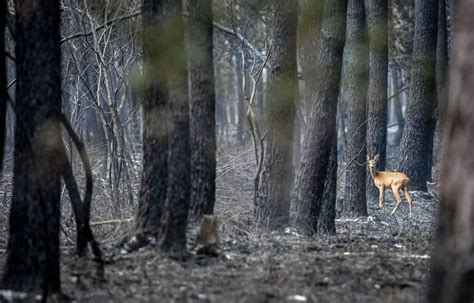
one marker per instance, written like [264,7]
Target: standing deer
[384,179]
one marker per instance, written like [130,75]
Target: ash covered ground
[380,258]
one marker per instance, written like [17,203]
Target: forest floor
[380,258]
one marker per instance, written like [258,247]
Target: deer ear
[376,158]
[368,157]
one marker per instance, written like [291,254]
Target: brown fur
[395,180]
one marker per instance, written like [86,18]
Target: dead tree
[33,244]
[154,179]
[171,48]
[276,177]
[452,273]
[203,99]
[3,81]
[377,24]
[416,144]
[321,129]
[357,80]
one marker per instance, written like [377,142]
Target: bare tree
[172,57]
[321,128]
[3,81]
[155,133]
[452,273]
[203,99]
[377,24]
[415,154]
[276,177]
[33,245]
[357,80]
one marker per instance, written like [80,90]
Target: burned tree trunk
[203,100]
[3,81]
[175,216]
[310,179]
[442,74]
[415,153]
[354,204]
[327,216]
[273,193]
[377,24]
[452,274]
[33,245]
[155,133]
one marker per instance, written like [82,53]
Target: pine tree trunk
[178,193]
[354,204]
[377,23]
[203,100]
[276,178]
[415,160]
[327,216]
[324,87]
[33,245]
[3,82]
[452,273]
[155,133]
[442,80]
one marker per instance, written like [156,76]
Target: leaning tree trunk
[452,274]
[355,204]
[172,50]
[377,24]
[33,246]
[324,87]
[273,192]
[203,102]
[415,147]
[3,81]
[441,85]
[155,137]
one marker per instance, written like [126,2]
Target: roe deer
[384,179]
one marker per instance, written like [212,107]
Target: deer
[384,179]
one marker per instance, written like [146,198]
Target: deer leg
[409,198]
[381,196]
[396,192]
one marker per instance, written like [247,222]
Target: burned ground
[380,258]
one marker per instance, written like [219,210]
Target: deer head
[372,161]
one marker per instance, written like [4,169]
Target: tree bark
[327,216]
[177,203]
[273,194]
[354,204]
[377,24]
[442,78]
[155,127]
[33,245]
[452,273]
[324,87]
[415,147]
[203,100]
[3,81]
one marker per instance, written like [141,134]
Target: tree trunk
[273,194]
[452,273]
[442,75]
[33,246]
[354,204]
[172,50]
[324,87]
[415,147]
[327,216]
[397,107]
[377,23]
[155,134]
[203,100]
[3,82]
